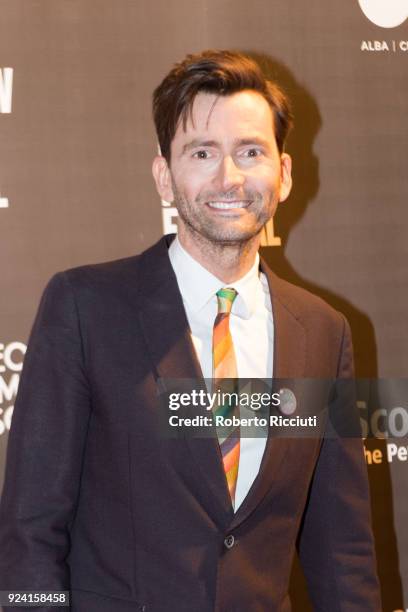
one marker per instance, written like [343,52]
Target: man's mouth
[229,205]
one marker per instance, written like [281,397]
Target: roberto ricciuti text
[235,421]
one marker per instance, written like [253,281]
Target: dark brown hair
[217,72]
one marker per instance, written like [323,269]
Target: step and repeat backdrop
[76,144]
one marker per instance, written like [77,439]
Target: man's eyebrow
[255,140]
[197,142]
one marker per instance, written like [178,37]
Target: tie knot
[226,297]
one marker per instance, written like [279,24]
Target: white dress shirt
[251,327]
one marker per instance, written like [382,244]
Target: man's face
[226,176]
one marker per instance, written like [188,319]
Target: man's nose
[229,175]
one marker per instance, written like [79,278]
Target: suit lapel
[289,359]
[167,335]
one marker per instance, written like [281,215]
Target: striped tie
[225,366]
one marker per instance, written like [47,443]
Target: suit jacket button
[229,541]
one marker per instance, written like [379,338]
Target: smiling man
[226,175]
[96,500]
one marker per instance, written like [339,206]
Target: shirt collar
[198,286]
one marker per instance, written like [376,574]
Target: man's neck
[227,261]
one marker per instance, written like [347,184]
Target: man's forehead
[244,108]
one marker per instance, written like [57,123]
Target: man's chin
[232,236]
[229,233]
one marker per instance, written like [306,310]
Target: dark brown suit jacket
[97,501]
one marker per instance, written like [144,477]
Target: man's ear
[162,178]
[286,177]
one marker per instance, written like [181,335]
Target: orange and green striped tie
[225,367]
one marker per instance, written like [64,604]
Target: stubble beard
[208,232]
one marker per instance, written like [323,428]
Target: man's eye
[253,152]
[201,154]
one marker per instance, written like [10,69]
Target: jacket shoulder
[105,277]
[107,271]
[120,273]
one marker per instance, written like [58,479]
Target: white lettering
[268,237]
[381,46]
[8,413]
[8,391]
[168,214]
[374,45]
[14,366]
[211,397]
[185,399]
[6,89]
[392,450]
[400,452]
[398,422]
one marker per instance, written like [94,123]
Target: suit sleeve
[336,543]
[45,449]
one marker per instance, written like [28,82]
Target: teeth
[227,205]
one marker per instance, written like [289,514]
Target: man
[97,499]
